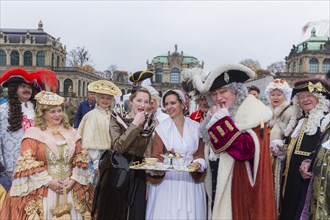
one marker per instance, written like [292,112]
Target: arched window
[41,58]
[67,86]
[3,58]
[288,67]
[58,61]
[159,75]
[300,65]
[313,65]
[294,67]
[14,58]
[27,58]
[53,60]
[175,75]
[326,65]
[84,89]
[79,87]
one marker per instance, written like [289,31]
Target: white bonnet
[281,85]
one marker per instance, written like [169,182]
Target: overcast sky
[128,33]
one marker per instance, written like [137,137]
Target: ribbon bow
[315,87]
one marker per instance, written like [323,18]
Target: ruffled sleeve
[80,172]
[31,171]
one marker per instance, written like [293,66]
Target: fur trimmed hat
[311,85]
[222,76]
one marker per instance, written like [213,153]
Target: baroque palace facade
[308,59]
[34,49]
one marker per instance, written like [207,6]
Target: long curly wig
[15,114]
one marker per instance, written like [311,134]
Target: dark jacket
[83,108]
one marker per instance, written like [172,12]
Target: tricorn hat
[224,75]
[311,85]
[140,76]
[104,87]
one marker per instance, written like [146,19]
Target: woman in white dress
[177,195]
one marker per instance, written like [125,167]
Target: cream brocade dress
[58,169]
[41,160]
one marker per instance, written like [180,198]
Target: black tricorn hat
[140,76]
[311,85]
[222,76]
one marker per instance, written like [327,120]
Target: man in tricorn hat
[240,184]
[310,118]
[17,114]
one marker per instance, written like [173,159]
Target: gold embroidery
[214,137]
[227,145]
[27,162]
[58,168]
[221,131]
[34,209]
[299,141]
[229,126]
[78,204]
[81,157]
[294,142]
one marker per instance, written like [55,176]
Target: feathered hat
[38,79]
[188,83]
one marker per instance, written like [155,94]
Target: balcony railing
[68,94]
[287,75]
[65,69]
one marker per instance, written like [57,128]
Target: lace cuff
[81,176]
[22,186]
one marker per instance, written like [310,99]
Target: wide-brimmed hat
[48,98]
[312,85]
[222,76]
[104,87]
[39,79]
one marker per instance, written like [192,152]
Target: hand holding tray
[162,167]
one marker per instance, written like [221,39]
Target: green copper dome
[164,59]
[314,43]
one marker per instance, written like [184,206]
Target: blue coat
[83,108]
